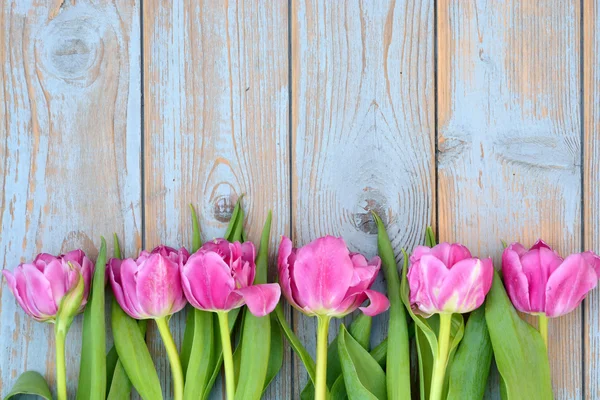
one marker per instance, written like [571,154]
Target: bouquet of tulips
[457,309]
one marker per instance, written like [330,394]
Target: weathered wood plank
[591,128]
[362,128]
[510,139]
[216,127]
[69,151]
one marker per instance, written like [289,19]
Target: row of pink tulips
[322,279]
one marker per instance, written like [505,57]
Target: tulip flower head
[324,278]
[149,286]
[40,285]
[540,281]
[447,279]
[220,275]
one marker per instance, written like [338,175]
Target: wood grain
[362,128]
[69,151]
[510,140]
[216,127]
[591,199]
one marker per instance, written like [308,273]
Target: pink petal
[378,303]
[592,259]
[207,281]
[540,244]
[569,284]
[286,258]
[159,286]
[515,280]
[425,279]
[538,265]
[39,291]
[322,272]
[12,285]
[261,299]
[219,246]
[450,254]
[56,273]
[466,285]
[75,256]
[131,304]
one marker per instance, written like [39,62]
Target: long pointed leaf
[92,371]
[120,387]
[30,382]
[276,354]
[199,370]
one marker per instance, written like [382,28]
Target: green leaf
[255,345]
[134,355]
[426,337]
[199,369]
[217,359]
[116,247]
[112,358]
[379,353]
[276,354]
[519,349]
[465,381]
[92,370]
[297,346]
[30,382]
[504,244]
[120,385]
[196,239]
[429,237]
[360,329]
[363,376]
[235,228]
[398,358]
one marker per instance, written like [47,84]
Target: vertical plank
[362,128]
[510,139]
[70,137]
[216,127]
[591,128]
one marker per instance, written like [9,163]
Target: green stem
[322,342]
[439,365]
[176,371]
[60,336]
[543,328]
[227,355]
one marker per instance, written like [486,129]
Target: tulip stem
[173,355]
[439,365]
[227,355]
[322,342]
[543,328]
[60,336]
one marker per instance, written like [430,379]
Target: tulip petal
[12,285]
[261,299]
[378,303]
[286,258]
[39,291]
[466,285]
[425,278]
[515,279]
[569,284]
[322,272]
[592,259]
[207,281]
[57,276]
[158,286]
[448,253]
[131,304]
[538,265]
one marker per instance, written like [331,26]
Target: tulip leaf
[134,355]
[429,237]
[199,371]
[30,382]
[465,381]
[120,385]
[235,228]
[276,354]
[92,371]
[217,352]
[254,359]
[297,346]
[196,238]
[426,337]
[363,376]
[360,330]
[519,349]
[398,358]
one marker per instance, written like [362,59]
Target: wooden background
[481,118]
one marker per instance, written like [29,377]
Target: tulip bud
[70,303]
[539,281]
[220,276]
[149,286]
[447,279]
[40,286]
[323,278]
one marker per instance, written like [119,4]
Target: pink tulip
[149,286]
[40,285]
[539,281]
[219,277]
[324,278]
[447,279]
